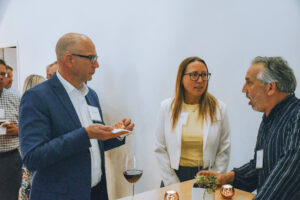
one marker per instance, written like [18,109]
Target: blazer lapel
[206,125]
[90,101]
[64,98]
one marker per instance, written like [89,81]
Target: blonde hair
[208,103]
[31,81]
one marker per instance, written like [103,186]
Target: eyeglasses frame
[4,74]
[93,59]
[200,74]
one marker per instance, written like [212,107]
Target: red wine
[133,176]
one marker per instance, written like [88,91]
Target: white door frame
[14,44]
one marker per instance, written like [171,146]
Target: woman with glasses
[192,131]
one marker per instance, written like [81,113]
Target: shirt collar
[279,107]
[70,88]
[2,91]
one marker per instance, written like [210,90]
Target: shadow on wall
[3,7]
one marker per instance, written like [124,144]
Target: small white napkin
[2,130]
[117,130]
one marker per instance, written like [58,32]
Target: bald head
[70,42]
[77,58]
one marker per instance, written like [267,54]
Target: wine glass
[199,165]
[210,165]
[132,173]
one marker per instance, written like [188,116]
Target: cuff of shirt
[121,138]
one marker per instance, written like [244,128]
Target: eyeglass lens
[195,76]
[4,74]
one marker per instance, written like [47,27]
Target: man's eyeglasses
[194,76]
[92,58]
[4,74]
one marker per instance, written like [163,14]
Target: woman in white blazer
[192,131]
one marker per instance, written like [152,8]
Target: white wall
[141,43]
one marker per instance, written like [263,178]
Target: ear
[68,59]
[271,88]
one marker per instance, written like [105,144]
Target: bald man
[62,133]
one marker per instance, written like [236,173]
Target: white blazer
[216,142]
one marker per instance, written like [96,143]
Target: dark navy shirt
[279,138]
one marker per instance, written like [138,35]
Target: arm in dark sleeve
[245,177]
[39,149]
[284,180]
[113,143]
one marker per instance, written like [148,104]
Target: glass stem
[132,191]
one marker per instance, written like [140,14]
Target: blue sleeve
[38,146]
[113,143]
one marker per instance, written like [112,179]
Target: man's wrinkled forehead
[253,71]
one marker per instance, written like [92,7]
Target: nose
[244,88]
[200,80]
[96,64]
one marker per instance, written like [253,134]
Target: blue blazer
[55,146]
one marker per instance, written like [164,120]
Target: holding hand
[11,128]
[124,124]
[222,178]
[100,132]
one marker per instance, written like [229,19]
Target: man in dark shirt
[275,169]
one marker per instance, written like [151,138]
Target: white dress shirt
[78,100]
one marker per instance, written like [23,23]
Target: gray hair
[277,70]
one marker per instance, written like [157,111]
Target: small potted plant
[204,188]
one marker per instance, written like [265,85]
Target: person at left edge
[10,158]
[62,135]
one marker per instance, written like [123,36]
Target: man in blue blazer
[62,134]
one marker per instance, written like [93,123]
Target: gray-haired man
[275,169]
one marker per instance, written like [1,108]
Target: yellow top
[192,138]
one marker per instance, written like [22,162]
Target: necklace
[191,107]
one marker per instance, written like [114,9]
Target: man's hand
[11,128]
[221,178]
[100,132]
[124,124]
